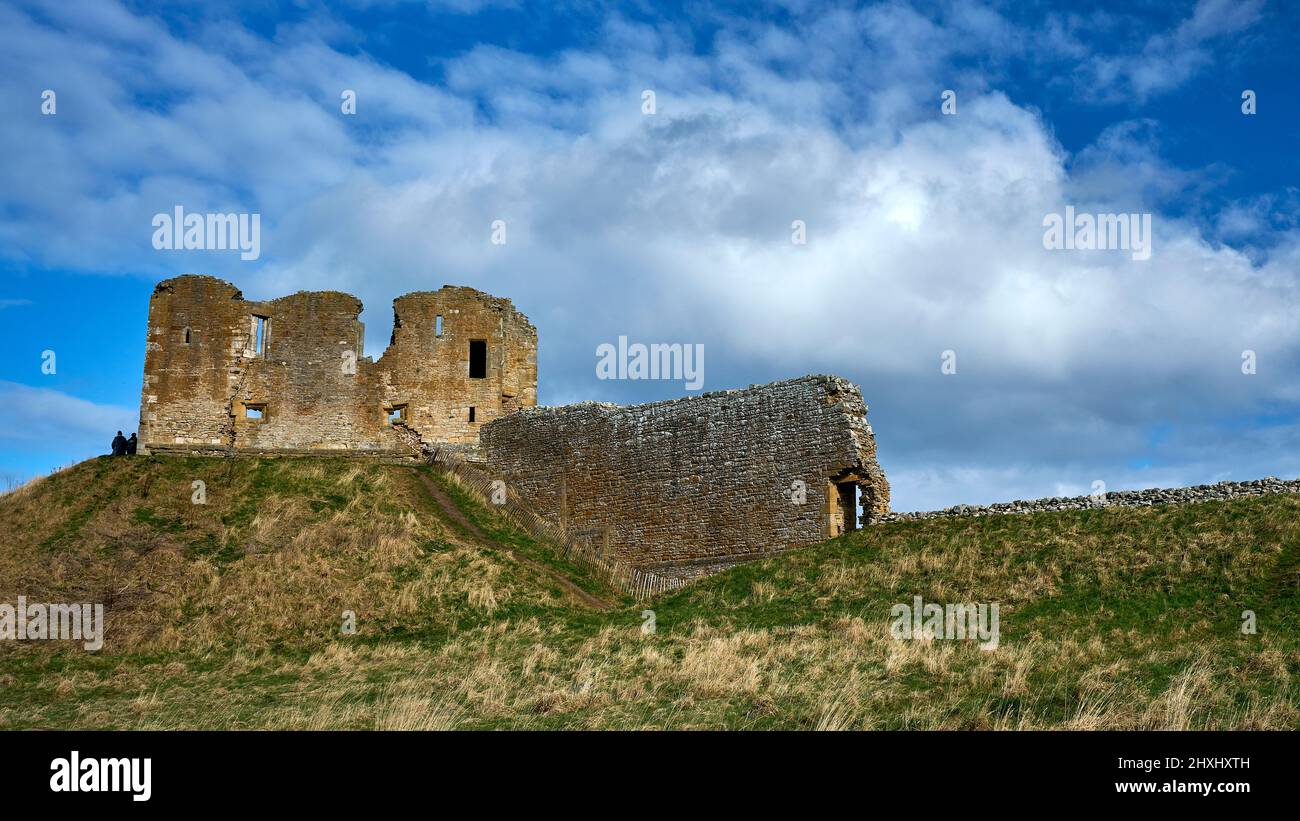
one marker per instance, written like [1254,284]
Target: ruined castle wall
[214,383]
[313,388]
[693,485]
[427,364]
[194,323]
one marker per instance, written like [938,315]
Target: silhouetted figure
[130,445]
[119,444]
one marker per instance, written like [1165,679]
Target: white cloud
[924,232]
[42,415]
[1168,59]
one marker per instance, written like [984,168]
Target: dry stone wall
[228,375]
[1116,498]
[691,486]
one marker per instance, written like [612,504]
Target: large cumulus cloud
[923,231]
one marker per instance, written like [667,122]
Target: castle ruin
[225,375]
[680,488]
[688,487]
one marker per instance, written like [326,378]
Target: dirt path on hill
[454,513]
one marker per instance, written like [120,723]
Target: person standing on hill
[130,445]
[119,444]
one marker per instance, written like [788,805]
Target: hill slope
[228,614]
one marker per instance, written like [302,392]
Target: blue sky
[924,230]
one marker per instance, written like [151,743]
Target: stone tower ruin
[225,375]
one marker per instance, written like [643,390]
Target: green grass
[506,533]
[1120,618]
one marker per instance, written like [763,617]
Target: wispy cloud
[1168,59]
[924,232]
[44,415]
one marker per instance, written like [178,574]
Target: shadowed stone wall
[210,385]
[691,486]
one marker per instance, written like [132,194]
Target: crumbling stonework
[690,486]
[675,489]
[1115,498]
[226,375]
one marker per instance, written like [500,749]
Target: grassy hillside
[228,614]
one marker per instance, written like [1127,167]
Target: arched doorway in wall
[841,505]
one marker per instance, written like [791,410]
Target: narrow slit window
[478,359]
[187,336]
[471,413]
[261,330]
[437,326]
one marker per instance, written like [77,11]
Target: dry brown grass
[814,678]
[382,553]
[1139,635]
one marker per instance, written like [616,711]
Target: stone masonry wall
[1149,497]
[206,381]
[690,486]
[430,373]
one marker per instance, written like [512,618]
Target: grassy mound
[228,615]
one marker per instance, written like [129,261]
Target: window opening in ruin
[261,325]
[478,359]
[437,327]
[397,414]
[471,413]
[187,336]
[255,412]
